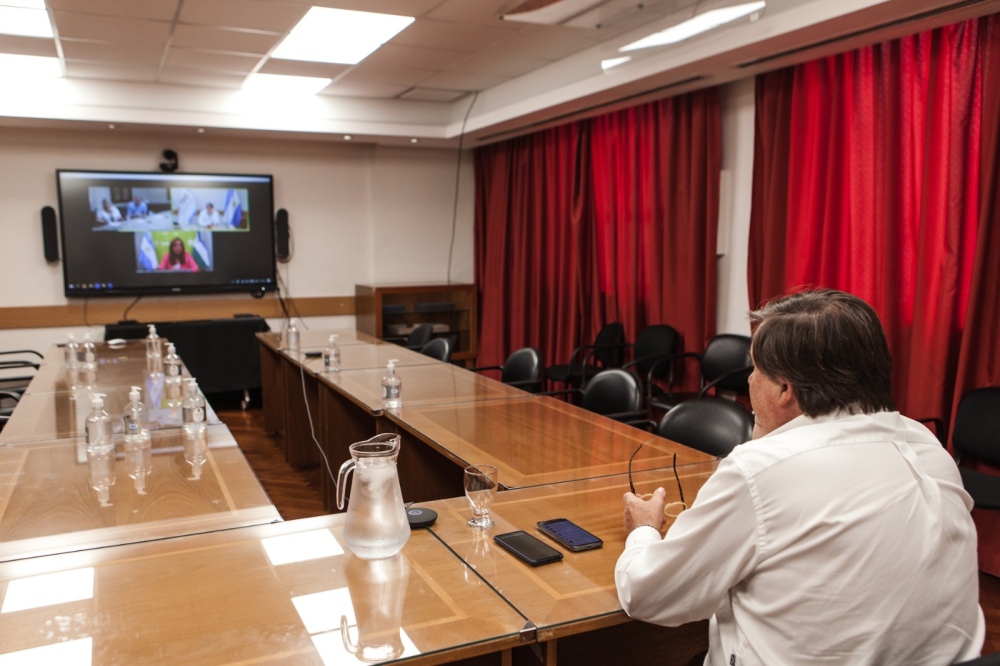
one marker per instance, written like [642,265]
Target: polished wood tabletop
[536,441]
[358,357]
[282,593]
[47,504]
[577,593]
[428,384]
[63,414]
[55,354]
[317,339]
[108,372]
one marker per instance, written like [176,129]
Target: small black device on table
[528,548]
[569,534]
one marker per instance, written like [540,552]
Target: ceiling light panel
[18,19]
[695,26]
[339,35]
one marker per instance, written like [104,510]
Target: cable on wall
[458,176]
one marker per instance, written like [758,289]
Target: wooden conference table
[289,593]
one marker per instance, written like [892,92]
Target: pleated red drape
[610,219]
[868,181]
[979,355]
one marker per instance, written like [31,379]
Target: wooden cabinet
[392,310]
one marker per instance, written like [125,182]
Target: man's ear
[786,397]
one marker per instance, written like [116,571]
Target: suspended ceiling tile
[162,10]
[245,14]
[361,88]
[116,72]
[33,46]
[433,94]
[212,60]
[404,76]
[220,39]
[103,52]
[111,28]
[451,36]
[391,55]
[202,78]
[462,81]
[302,68]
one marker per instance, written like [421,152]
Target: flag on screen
[234,211]
[202,255]
[147,254]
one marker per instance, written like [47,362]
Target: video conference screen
[127,233]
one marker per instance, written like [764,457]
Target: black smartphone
[528,548]
[313,354]
[569,534]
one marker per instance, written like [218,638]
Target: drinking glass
[480,489]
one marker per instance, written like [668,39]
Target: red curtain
[979,355]
[610,219]
[868,182]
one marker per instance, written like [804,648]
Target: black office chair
[8,401]
[17,370]
[723,366]
[607,351]
[985,660]
[415,339]
[712,425]
[977,424]
[614,393]
[439,348]
[653,343]
[522,369]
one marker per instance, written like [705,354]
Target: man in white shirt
[840,534]
[109,214]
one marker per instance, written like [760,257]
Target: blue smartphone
[569,534]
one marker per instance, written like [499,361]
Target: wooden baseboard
[98,312]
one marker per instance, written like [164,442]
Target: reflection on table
[50,505]
[286,592]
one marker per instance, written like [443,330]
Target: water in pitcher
[375,526]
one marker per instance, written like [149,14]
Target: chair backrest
[613,391]
[523,368]
[726,353]
[439,348]
[419,336]
[609,345]
[712,425]
[655,341]
[977,423]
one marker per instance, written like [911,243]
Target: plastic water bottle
[331,355]
[292,336]
[392,387]
[88,353]
[138,445]
[100,449]
[154,352]
[172,376]
[72,352]
[195,438]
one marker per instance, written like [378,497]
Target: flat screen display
[129,233]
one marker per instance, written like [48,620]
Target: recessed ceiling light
[27,18]
[694,26]
[28,67]
[339,35]
[279,84]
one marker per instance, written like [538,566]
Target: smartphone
[528,548]
[313,354]
[569,534]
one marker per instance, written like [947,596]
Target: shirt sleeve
[686,575]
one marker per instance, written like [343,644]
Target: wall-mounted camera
[171,161]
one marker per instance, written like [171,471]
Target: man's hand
[644,512]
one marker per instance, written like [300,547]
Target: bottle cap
[331,340]
[97,400]
[133,395]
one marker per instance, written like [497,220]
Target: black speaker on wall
[50,237]
[281,234]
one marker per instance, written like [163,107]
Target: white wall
[357,212]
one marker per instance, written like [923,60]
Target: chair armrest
[22,351]
[521,383]
[596,348]
[721,378]
[17,364]
[486,367]
[638,419]
[561,392]
[669,358]
[10,394]
[938,429]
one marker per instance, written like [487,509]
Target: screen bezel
[261,243]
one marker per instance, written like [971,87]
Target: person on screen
[137,208]
[108,214]
[840,534]
[209,217]
[178,258]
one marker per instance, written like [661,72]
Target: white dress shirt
[845,539]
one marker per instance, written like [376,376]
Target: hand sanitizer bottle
[154,352]
[172,376]
[331,355]
[89,353]
[195,440]
[100,449]
[392,387]
[138,445]
[292,335]
[72,352]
